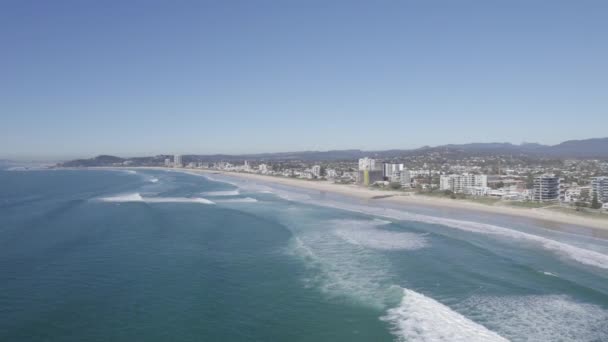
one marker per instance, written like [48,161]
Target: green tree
[595,203]
[395,185]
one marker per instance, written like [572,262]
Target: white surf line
[222,193]
[136,197]
[581,255]
[237,200]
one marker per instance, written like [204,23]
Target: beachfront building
[546,188]
[167,162]
[331,173]
[405,179]
[392,172]
[177,160]
[599,187]
[367,164]
[464,183]
[369,177]
[316,171]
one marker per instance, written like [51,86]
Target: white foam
[123,198]
[584,256]
[153,180]
[238,200]
[581,255]
[368,233]
[132,172]
[177,200]
[136,197]
[549,274]
[540,317]
[420,318]
[222,193]
[340,270]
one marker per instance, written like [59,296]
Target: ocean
[153,255]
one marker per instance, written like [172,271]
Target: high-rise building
[405,179]
[316,171]
[392,172]
[167,162]
[546,188]
[369,177]
[599,187]
[464,183]
[177,160]
[367,164]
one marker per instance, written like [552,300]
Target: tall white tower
[177,160]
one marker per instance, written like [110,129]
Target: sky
[82,78]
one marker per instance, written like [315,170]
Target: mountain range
[596,148]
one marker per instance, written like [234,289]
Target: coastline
[549,218]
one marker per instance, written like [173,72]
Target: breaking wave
[420,318]
[222,193]
[352,267]
[136,197]
[237,200]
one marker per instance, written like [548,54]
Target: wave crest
[421,318]
[136,197]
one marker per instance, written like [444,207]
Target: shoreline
[598,225]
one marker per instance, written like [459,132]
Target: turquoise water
[158,256]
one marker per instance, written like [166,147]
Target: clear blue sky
[80,78]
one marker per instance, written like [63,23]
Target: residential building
[464,183]
[367,164]
[369,177]
[546,188]
[167,162]
[392,171]
[405,179]
[599,187]
[177,160]
[331,173]
[316,171]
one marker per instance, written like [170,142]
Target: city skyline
[120,78]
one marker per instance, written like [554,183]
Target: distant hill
[103,160]
[588,148]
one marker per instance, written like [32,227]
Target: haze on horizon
[149,77]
